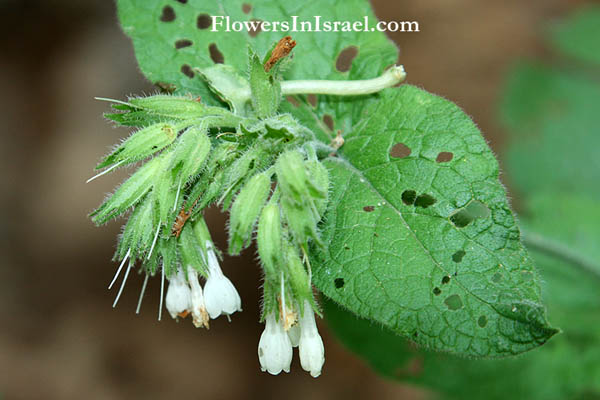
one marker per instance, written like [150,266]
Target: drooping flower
[274,347]
[312,351]
[220,296]
[198,309]
[179,295]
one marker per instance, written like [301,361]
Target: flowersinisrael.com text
[222,23]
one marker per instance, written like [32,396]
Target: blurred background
[59,336]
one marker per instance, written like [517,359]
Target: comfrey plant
[386,199]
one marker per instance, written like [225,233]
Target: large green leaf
[396,252]
[565,368]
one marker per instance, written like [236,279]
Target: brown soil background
[59,336]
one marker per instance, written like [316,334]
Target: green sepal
[190,250]
[266,90]
[129,193]
[298,278]
[245,211]
[269,241]
[137,230]
[301,220]
[142,144]
[167,248]
[318,184]
[164,194]
[292,176]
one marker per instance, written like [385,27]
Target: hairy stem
[543,244]
[389,78]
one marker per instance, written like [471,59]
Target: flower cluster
[262,167]
[185,295]
[276,343]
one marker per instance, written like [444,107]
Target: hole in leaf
[180,44]
[400,150]
[444,156]
[482,321]
[375,234]
[328,120]
[445,280]
[255,29]
[187,70]
[182,1]
[346,248]
[368,208]
[204,21]
[424,201]
[168,14]
[339,283]
[215,54]
[345,58]
[293,100]
[497,277]
[408,197]
[475,209]
[163,87]
[246,8]
[437,291]
[312,99]
[458,256]
[453,302]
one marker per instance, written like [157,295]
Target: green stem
[389,78]
[556,249]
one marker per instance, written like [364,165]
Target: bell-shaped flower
[274,347]
[179,295]
[198,309]
[220,296]
[312,352]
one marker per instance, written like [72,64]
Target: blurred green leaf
[579,35]
[552,117]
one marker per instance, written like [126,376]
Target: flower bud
[142,144]
[269,242]
[245,211]
[171,106]
[191,152]
[292,177]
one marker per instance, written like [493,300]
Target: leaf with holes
[173,40]
[566,368]
[397,252]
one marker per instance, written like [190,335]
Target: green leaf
[564,368]
[394,254]
[578,35]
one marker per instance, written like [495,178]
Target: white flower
[274,347]
[199,314]
[179,296]
[312,352]
[220,296]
